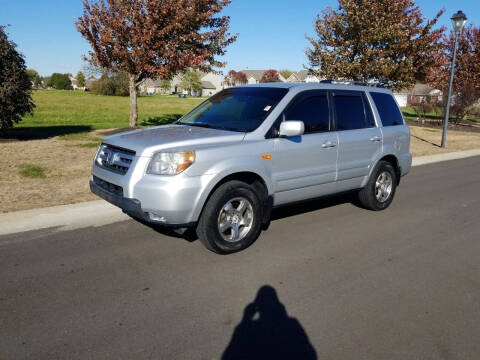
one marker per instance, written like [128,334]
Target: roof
[302,75]
[256,74]
[418,89]
[207,85]
[89,82]
[300,86]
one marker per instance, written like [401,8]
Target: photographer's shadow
[267,332]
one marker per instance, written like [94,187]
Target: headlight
[170,163]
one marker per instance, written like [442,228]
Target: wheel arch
[393,160]
[248,177]
[390,158]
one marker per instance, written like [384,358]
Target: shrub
[116,84]
[60,82]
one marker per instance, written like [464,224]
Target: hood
[147,141]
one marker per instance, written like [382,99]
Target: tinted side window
[313,111]
[387,109]
[350,112]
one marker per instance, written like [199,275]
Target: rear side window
[387,109]
[350,112]
[313,111]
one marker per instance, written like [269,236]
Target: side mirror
[292,128]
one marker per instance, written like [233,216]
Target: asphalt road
[327,280]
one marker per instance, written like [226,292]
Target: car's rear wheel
[379,192]
[232,218]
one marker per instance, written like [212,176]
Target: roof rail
[350,82]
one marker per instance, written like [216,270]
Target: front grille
[107,186]
[114,158]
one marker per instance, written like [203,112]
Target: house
[419,93]
[211,84]
[89,83]
[74,83]
[303,76]
[255,76]
[208,89]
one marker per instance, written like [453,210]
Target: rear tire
[232,218]
[379,192]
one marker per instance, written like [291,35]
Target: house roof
[89,82]
[418,89]
[207,85]
[256,74]
[302,75]
[293,77]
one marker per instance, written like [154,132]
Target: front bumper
[132,207]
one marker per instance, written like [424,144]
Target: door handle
[376,138]
[328,144]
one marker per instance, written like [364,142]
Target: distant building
[255,76]
[211,82]
[303,76]
[88,83]
[418,94]
[75,84]
[150,86]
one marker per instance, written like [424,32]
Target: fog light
[155,217]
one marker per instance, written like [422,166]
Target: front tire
[379,192]
[232,218]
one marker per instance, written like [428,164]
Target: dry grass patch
[426,141]
[66,172]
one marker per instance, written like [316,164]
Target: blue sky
[272,32]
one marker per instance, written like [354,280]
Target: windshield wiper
[205,125]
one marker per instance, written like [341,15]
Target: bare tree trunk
[133,102]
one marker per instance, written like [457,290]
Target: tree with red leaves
[270,76]
[386,41]
[466,81]
[235,78]
[154,38]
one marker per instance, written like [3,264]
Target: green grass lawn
[410,114]
[78,111]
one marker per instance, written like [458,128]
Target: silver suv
[223,166]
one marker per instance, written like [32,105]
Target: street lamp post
[458,21]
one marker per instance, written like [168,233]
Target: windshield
[235,109]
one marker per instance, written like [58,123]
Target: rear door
[360,140]
[302,162]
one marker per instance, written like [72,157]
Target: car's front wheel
[232,218]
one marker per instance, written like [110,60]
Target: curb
[62,217]
[431,159]
[99,212]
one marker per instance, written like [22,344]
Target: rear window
[387,109]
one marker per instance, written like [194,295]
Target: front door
[302,164]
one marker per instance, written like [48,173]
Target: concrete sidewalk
[98,213]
